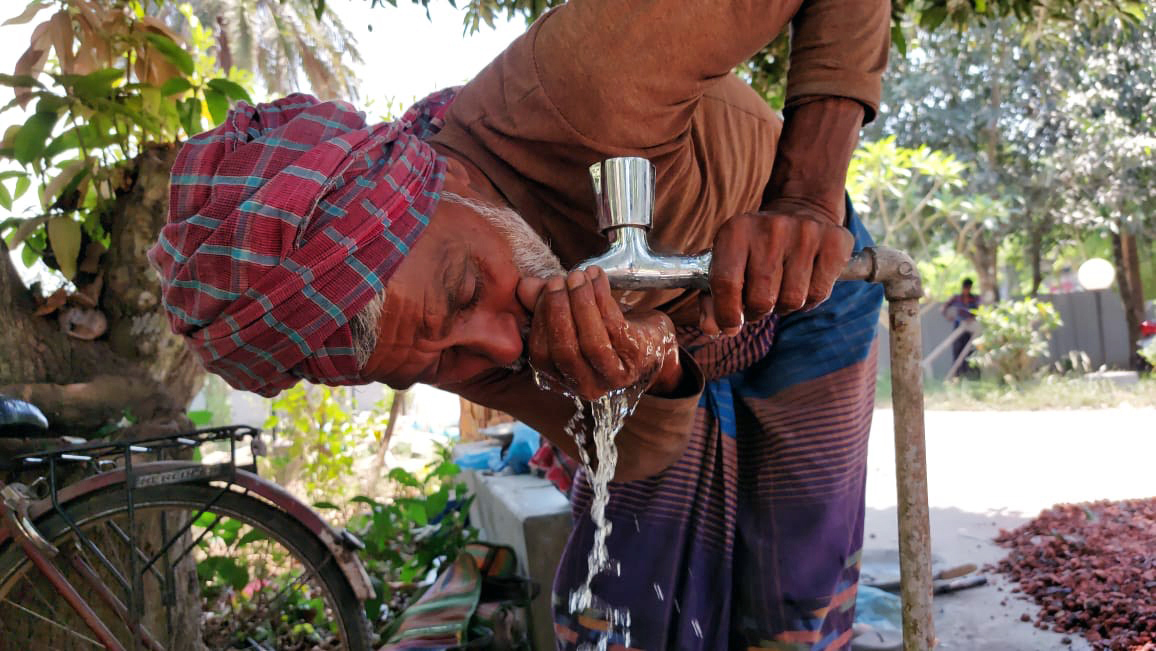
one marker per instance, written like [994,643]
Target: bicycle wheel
[242,575]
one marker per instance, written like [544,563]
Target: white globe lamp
[1096,273]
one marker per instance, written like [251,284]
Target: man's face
[458,305]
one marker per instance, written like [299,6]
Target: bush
[1015,335]
[1148,352]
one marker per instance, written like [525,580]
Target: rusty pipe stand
[903,288]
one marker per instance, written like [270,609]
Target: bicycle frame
[18,513]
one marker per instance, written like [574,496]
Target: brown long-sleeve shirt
[596,79]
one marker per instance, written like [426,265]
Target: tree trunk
[983,251]
[139,368]
[1127,258]
[1035,255]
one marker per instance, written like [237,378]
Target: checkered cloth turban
[283,223]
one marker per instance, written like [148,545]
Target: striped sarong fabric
[752,540]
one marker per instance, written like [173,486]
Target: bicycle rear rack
[103,457]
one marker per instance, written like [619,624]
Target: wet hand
[581,341]
[777,260]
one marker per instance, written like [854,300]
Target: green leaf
[437,503]
[899,39]
[253,536]
[22,185]
[20,81]
[5,197]
[64,235]
[28,255]
[230,88]
[173,52]
[446,469]
[403,477]
[175,85]
[190,112]
[201,417]
[218,105]
[362,499]
[416,513]
[326,505]
[30,140]
[97,84]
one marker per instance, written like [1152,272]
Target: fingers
[581,340]
[829,265]
[591,329]
[797,269]
[764,276]
[727,272]
[767,263]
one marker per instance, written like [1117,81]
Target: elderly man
[304,243]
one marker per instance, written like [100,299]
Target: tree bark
[158,376]
[139,369]
[1127,258]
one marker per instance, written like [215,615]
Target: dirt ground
[989,470]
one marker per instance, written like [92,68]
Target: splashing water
[608,414]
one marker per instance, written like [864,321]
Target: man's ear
[457,178]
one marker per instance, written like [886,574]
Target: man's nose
[498,338]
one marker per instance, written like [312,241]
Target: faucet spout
[624,204]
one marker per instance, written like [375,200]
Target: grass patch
[1048,392]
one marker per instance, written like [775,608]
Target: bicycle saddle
[19,419]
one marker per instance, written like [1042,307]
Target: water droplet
[697,629]
[658,591]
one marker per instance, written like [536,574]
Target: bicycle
[81,560]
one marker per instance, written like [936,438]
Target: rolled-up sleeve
[839,49]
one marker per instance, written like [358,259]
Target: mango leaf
[231,89]
[5,197]
[30,140]
[29,13]
[175,85]
[28,255]
[326,505]
[218,105]
[68,179]
[19,81]
[173,52]
[97,84]
[22,185]
[64,235]
[68,140]
[190,111]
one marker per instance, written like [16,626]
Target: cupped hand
[778,261]
[581,341]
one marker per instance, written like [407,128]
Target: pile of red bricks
[1092,569]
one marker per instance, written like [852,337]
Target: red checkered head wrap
[284,222]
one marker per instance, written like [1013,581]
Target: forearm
[810,170]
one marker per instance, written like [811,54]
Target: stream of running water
[608,414]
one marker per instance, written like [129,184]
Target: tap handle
[623,192]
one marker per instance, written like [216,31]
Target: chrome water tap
[624,204]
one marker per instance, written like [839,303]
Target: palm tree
[278,40]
